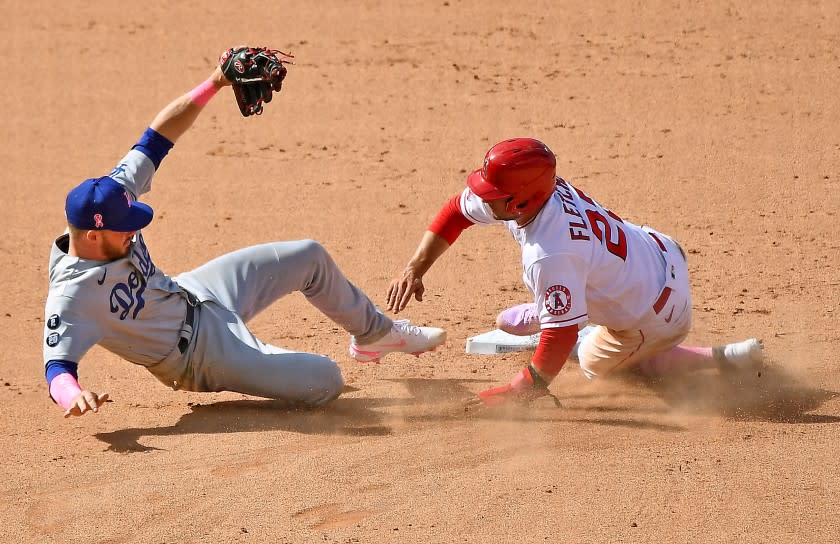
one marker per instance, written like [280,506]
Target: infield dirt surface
[715,122]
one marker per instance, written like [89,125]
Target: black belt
[187,331]
[190,318]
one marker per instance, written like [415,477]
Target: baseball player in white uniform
[190,331]
[583,264]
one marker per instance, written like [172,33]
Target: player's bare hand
[473,403]
[401,290]
[219,78]
[86,401]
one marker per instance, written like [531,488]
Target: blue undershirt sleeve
[56,367]
[153,145]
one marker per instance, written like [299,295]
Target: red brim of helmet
[483,189]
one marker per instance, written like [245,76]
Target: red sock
[679,359]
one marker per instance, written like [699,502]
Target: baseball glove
[255,72]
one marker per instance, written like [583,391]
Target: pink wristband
[202,94]
[64,389]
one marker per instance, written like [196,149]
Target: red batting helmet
[521,169]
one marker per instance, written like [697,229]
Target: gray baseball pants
[223,355]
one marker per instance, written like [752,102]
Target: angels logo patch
[558,299]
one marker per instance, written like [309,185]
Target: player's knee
[328,383]
[312,256]
[334,381]
[591,365]
[520,320]
[311,249]
[502,324]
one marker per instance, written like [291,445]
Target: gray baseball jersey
[127,306]
[190,331]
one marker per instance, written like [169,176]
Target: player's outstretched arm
[86,401]
[401,290]
[442,233]
[178,116]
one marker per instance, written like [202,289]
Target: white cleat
[743,356]
[403,337]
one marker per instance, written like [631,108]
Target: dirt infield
[716,122]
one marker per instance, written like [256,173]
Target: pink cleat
[521,320]
[403,337]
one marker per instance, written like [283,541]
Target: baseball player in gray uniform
[190,331]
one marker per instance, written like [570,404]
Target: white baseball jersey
[582,262]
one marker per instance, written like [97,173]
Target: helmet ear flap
[533,202]
[518,207]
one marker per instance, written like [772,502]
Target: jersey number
[611,235]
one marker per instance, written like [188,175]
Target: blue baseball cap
[104,204]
